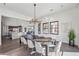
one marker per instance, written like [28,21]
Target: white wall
[67,19]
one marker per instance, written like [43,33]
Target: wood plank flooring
[12,47]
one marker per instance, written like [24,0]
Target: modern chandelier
[34,20]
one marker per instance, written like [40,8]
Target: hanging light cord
[34,11]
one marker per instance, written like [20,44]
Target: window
[54,27]
[46,27]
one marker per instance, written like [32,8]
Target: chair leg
[62,53]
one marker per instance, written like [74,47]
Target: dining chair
[57,51]
[30,46]
[23,40]
[39,48]
[52,43]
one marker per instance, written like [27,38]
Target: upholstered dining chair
[39,48]
[30,46]
[52,43]
[57,51]
[23,40]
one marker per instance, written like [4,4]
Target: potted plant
[71,37]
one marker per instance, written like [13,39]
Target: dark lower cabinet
[71,43]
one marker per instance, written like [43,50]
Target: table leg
[20,42]
[46,50]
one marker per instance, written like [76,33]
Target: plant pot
[71,43]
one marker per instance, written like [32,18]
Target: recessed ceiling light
[51,9]
[62,6]
[4,4]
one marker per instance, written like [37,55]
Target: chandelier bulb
[34,4]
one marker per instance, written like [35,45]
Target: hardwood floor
[13,48]
[66,48]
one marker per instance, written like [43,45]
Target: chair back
[30,43]
[57,48]
[23,40]
[38,47]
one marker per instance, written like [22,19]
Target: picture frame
[46,28]
[54,27]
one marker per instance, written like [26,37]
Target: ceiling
[42,9]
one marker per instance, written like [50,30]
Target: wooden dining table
[44,43]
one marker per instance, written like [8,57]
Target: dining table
[44,42]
